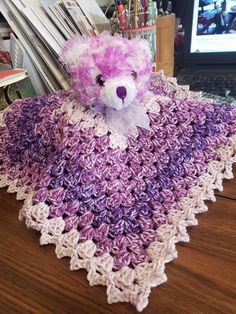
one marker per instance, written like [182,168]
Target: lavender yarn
[116,198]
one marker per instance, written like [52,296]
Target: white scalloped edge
[130,285]
[170,85]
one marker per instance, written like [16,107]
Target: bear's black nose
[121,92]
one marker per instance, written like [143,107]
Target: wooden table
[201,280]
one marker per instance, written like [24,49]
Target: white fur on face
[109,96]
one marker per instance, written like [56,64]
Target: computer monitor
[211,32]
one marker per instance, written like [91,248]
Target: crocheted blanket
[116,205]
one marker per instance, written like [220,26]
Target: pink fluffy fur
[115,59]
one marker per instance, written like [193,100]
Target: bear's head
[108,70]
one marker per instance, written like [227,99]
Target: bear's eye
[134,74]
[99,80]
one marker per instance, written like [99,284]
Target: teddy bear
[114,169]
[114,81]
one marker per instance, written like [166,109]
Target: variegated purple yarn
[116,198]
[115,204]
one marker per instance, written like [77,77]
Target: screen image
[214,26]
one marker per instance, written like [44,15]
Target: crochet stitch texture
[117,206]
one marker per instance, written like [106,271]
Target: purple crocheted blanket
[116,205]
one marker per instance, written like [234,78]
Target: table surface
[201,280]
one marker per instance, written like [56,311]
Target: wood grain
[201,280]
[165,32]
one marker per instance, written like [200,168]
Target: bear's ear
[142,47]
[72,50]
